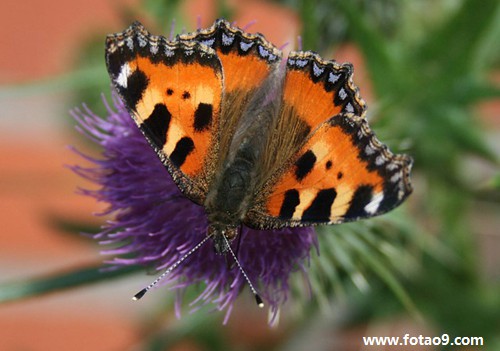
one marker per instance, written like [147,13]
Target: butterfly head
[217,232]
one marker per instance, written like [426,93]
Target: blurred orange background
[39,40]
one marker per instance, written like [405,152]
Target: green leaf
[386,274]
[475,91]
[17,290]
[467,138]
[495,182]
[461,40]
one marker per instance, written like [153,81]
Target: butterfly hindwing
[341,173]
[173,90]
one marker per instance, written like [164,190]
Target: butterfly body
[228,200]
[250,139]
[233,192]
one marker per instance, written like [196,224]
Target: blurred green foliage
[429,63]
[428,83]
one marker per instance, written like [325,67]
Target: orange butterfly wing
[173,90]
[317,90]
[342,173]
[338,171]
[247,59]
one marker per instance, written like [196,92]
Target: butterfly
[255,139]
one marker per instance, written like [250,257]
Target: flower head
[155,225]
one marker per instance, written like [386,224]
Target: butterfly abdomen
[228,200]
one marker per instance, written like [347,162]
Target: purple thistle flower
[155,225]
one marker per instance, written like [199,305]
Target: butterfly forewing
[173,90]
[247,59]
[317,90]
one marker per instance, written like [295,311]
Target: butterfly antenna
[141,293]
[258,299]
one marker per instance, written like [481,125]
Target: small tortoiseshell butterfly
[254,139]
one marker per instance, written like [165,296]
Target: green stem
[18,290]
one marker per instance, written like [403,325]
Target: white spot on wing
[369,150]
[392,166]
[342,93]
[396,177]
[245,46]
[372,207]
[379,160]
[154,48]
[130,43]
[208,42]
[169,52]
[142,41]
[349,108]
[122,78]
[317,71]
[301,63]
[332,78]
[263,52]
[227,39]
